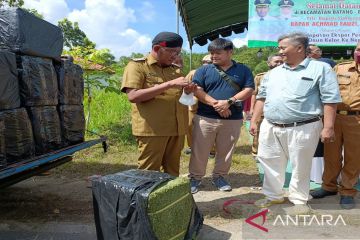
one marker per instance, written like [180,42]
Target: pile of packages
[41,93]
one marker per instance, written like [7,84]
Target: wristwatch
[230,101]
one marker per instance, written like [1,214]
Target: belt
[348,112]
[295,124]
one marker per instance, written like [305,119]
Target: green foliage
[35,12]
[11,3]
[98,67]
[261,67]
[110,116]
[73,35]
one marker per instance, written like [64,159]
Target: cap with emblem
[168,39]
[286,3]
[262,2]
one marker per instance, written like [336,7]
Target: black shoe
[347,202]
[322,193]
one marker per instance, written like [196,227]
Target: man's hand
[190,88]
[179,82]
[221,105]
[253,127]
[327,135]
[225,113]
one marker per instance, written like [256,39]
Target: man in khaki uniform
[153,86]
[347,136]
[272,62]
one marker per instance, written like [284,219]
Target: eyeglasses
[172,52]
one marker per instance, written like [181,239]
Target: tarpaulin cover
[72,122]
[23,32]
[38,82]
[9,84]
[19,143]
[71,82]
[121,202]
[2,145]
[46,128]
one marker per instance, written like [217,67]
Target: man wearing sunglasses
[154,85]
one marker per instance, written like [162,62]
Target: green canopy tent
[209,19]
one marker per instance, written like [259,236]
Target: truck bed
[27,168]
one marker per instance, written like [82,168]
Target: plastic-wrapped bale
[72,122]
[38,82]
[2,145]
[140,204]
[170,208]
[19,143]
[23,32]
[9,85]
[46,128]
[71,82]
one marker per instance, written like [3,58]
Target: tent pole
[177,16]
[190,58]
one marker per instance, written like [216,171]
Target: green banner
[326,22]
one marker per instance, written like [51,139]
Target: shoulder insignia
[260,74]
[347,62]
[138,59]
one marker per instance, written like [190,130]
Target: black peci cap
[262,2]
[168,39]
[286,3]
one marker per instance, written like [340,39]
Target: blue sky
[123,26]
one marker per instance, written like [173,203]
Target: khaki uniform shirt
[162,115]
[257,81]
[349,85]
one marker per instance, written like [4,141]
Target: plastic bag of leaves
[38,82]
[19,142]
[46,128]
[71,82]
[23,32]
[72,120]
[140,204]
[2,145]
[9,84]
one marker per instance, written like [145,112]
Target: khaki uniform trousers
[347,134]
[160,153]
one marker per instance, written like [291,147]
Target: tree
[11,3]
[35,12]
[73,35]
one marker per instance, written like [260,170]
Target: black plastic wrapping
[46,128]
[72,122]
[71,82]
[120,205]
[19,143]
[9,85]
[23,32]
[38,82]
[2,145]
